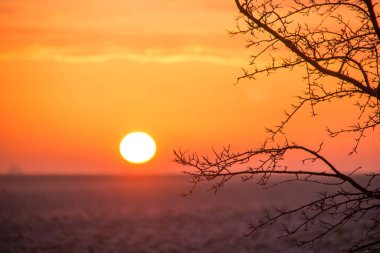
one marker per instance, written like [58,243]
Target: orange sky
[76,76]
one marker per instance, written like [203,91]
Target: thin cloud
[159,56]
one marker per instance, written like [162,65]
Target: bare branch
[299,34]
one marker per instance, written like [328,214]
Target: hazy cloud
[148,56]
[143,31]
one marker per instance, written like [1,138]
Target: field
[141,214]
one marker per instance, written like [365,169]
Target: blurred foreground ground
[140,214]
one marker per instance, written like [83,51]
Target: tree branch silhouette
[344,45]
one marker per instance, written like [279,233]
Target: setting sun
[137,147]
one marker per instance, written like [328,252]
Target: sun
[137,147]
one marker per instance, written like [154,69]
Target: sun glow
[137,147]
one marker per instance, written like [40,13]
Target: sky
[76,77]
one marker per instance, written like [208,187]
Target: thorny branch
[337,39]
[352,200]
[348,50]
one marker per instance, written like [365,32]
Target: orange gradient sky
[76,76]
